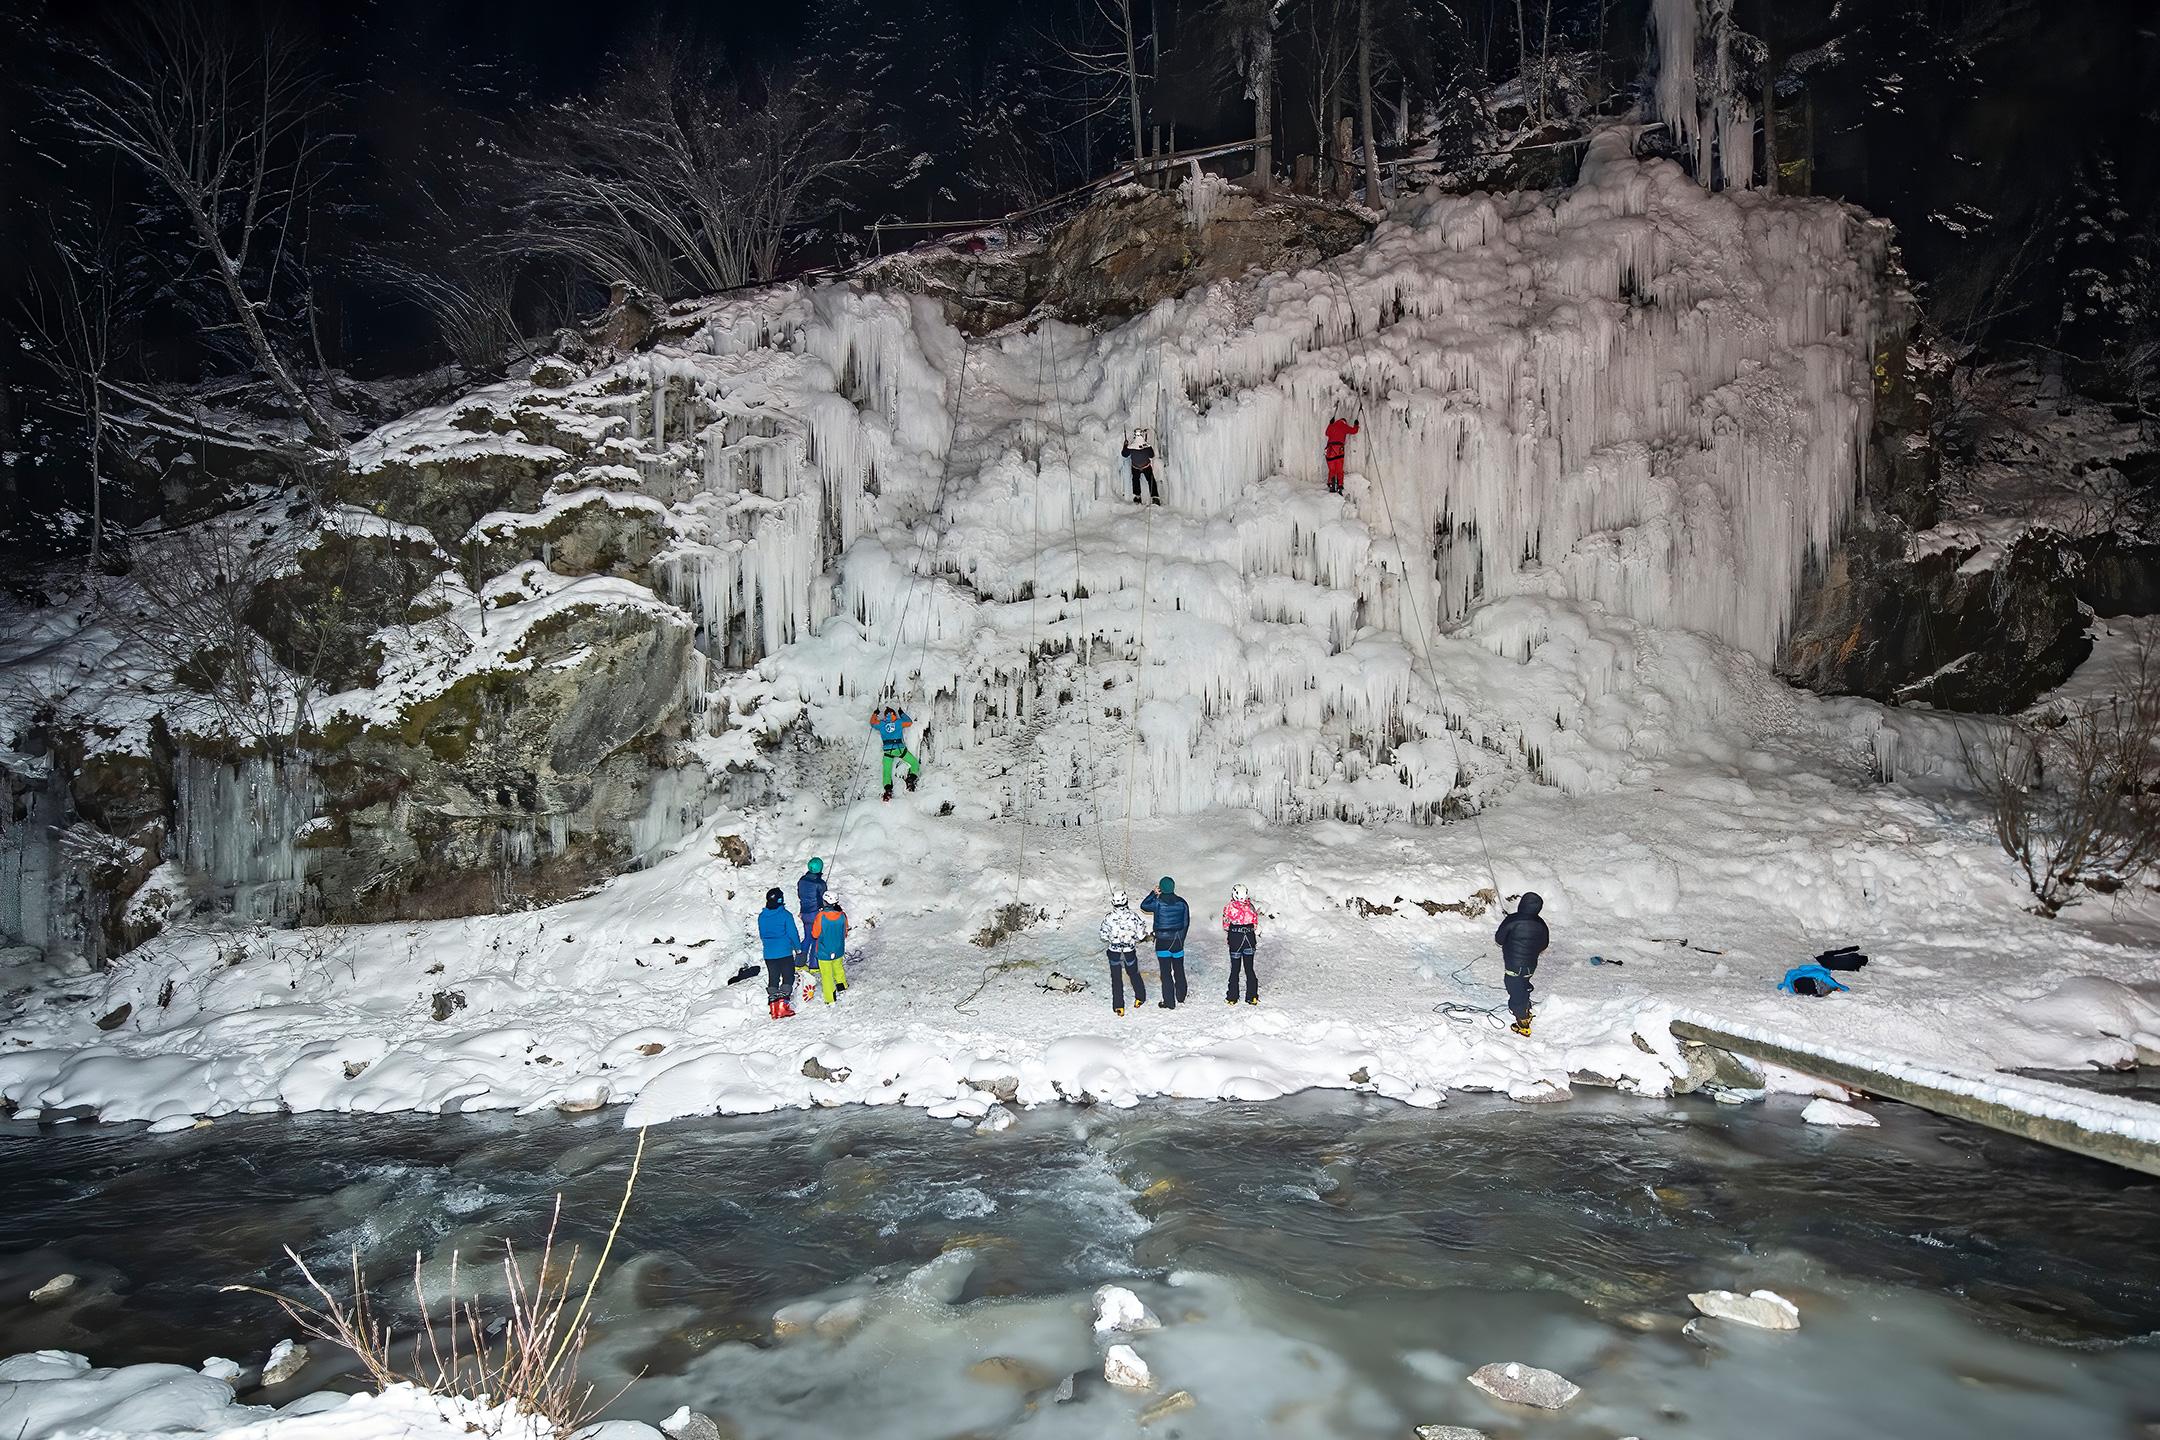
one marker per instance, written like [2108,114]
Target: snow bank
[50,1393]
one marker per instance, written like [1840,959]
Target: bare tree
[1250,28]
[678,176]
[1329,43]
[2072,795]
[1365,103]
[229,128]
[189,606]
[72,316]
[1104,56]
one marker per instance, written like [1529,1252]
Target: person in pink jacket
[1242,922]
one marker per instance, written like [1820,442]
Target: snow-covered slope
[1601,433]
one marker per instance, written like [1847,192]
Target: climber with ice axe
[1139,452]
[1339,431]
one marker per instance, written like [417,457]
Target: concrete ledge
[2097,1126]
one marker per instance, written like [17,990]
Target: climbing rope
[937,548]
[1086,641]
[1417,618]
[1147,556]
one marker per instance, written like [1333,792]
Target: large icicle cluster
[1634,396]
[1716,121]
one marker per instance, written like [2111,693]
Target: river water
[1329,1266]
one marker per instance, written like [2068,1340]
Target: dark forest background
[437,184]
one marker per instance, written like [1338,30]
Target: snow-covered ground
[52,1392]
[1624,415]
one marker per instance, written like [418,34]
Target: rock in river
[1525,1385]
[1764,1309]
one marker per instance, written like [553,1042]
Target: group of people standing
[818,943]
[1123,930]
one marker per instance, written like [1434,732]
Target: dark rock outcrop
[1972,611]
[1126,251]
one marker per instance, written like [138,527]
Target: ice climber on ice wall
[1241,922]
[1122,931]
[1172,915]
[1522,937]
[892,726]
[782,942]
[1339,431]
[1140,453]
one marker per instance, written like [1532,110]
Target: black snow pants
[1152,493]
[1125,964]
[779,977]
[1242,944]
[1170,959]
[1518,993]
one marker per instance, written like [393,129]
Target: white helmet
[1139,435]
[1119,900]
[1240,893]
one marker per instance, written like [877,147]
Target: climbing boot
[1118,1010]
[772,1008]
[1252,999]
[888,792]
[787,1011]
[1521,1025]
[912,777]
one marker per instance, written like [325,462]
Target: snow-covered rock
[1448,1432]
[1763,1309]
[688,1424]
[1123,1367]
[217,1367]
[1521,1384]
[287,1358]
[1833,1112]
[1118,1309]
[54,1289]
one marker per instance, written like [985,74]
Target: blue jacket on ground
[809,893]
[1809,971]
[1170,912]
[777,929]
[831,938]
[894,731]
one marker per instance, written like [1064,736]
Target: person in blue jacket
[892,727]
[809,896]
[782,941]
[1171,917]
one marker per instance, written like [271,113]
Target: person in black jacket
[1141,456]
[1172,915]
[1522,937]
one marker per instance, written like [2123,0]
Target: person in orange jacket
[1338,431]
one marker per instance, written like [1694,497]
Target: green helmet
[817,866]
[1166,885]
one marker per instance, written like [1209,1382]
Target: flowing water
[1327,1266]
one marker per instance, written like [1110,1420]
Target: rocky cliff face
[1996,514]
[1129,250]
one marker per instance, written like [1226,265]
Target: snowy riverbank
[1706,881]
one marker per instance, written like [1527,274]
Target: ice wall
[239,827]
[1634,396]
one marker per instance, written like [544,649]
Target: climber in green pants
[892,729]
